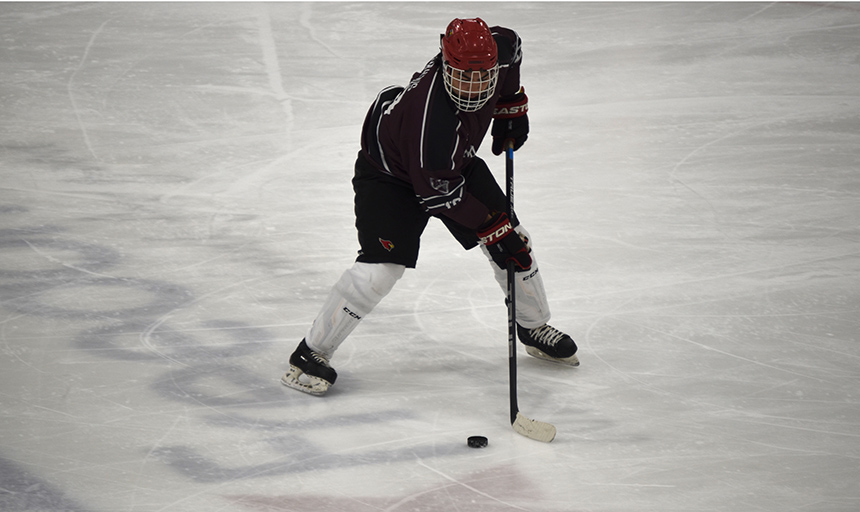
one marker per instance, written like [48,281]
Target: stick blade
[534,429]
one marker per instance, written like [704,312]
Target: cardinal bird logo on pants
[387,244]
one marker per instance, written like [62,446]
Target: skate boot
[309,371]
[546,342]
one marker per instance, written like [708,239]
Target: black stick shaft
[511,289]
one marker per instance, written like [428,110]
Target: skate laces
[546,335]
[319,359]
[316,357]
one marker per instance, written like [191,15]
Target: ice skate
[547,342]
[309,371]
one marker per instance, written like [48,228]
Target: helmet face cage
[470,89]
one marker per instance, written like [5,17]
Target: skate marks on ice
[500,488]
[21,491]
[140,367]
[201,367]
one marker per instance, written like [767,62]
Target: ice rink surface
[176,202]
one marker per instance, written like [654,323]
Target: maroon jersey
[417,134]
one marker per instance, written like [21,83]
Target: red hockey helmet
[470,61]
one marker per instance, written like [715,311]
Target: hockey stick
[533,429]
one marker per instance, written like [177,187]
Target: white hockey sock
[532,305]
[355,294]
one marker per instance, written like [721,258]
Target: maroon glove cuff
[497,228]
[512,106]
[496,237]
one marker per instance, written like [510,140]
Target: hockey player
[417,161]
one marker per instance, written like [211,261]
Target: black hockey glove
[496,235]
[511,121]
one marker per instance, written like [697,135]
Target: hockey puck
[477,442]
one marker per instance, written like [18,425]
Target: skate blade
[569,361]
[297,379]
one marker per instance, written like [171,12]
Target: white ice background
[175,202]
